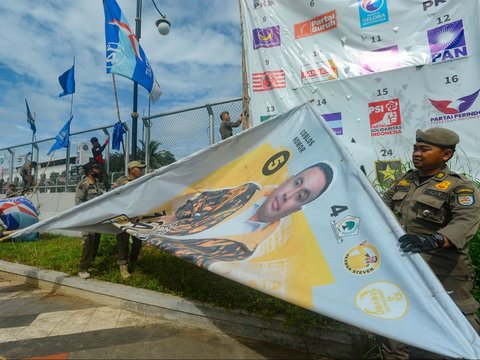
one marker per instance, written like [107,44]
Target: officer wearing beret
[135,170]
[440,213]
[87,189]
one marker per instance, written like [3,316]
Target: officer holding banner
[440,213]
[87,189]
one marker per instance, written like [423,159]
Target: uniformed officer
[87,189]
[135,170]
[440,213]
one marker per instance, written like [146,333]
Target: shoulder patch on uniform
[440,175]
[438,194]
[404,182]
[402,188]
[444,185]
[466,199]
[461,190]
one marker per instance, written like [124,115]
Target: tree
[158,157]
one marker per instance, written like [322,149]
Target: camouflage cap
[133,164]
[438,136]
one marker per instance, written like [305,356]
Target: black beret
[438,136]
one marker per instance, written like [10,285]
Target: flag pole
[71,100]
[245,99]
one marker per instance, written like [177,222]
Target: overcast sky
[198,62]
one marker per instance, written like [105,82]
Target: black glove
[421,243]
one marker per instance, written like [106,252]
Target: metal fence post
[147,124]
[211,124]
[127,147]
[107,152]
[10,172]
[37,157]
[67,166]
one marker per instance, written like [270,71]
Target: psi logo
[372,12]
[447,42]
[385,117]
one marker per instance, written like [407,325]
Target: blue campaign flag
[117,137]
[30,118]
[67,82]
[125,56]
[63,137]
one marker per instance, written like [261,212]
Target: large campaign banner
[284,209]
[377,70]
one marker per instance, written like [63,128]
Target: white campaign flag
[283,208]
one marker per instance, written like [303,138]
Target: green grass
[159,271]
[162,272]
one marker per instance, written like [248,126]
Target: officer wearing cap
[88,188]
[440,213]
[135,170]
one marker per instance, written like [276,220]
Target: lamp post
[163,27]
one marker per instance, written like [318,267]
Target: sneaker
[124,272]
[83,275]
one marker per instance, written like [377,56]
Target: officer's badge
[440,175]
[444,185]
[465,199]
[404,182]
[387,172]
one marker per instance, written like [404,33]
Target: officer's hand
[421,243]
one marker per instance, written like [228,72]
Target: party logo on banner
[334,121]
[268,80]
[387,172]
[362,259]
[382,300]
[380,59]
[455,110]
[266,117]
[257,4]
[317,25]
[348,226]
[385,117]
[318,72]
[266,37]
[447,42]
[372,12]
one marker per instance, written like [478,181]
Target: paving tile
[8,334]
[74,322]
[104,317]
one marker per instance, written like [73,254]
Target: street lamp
[163,26]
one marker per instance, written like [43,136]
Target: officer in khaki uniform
[135,170]
[440,213]
[87,189]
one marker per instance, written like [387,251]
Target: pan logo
[372,12]
[447,42]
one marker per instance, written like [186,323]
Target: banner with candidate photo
[283,208]
[381,68]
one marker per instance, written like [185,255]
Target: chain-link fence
[166,137]
[184,132]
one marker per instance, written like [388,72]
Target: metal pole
[138,27]
[67,166]
[107,152]
[37,156]
[10,172]
[125,153]
[211,124]
[147,126]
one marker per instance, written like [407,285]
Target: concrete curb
[342,342]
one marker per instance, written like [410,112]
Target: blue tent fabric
[18,213]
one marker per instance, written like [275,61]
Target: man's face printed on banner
[292,194]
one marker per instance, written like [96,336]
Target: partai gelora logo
[372,5]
